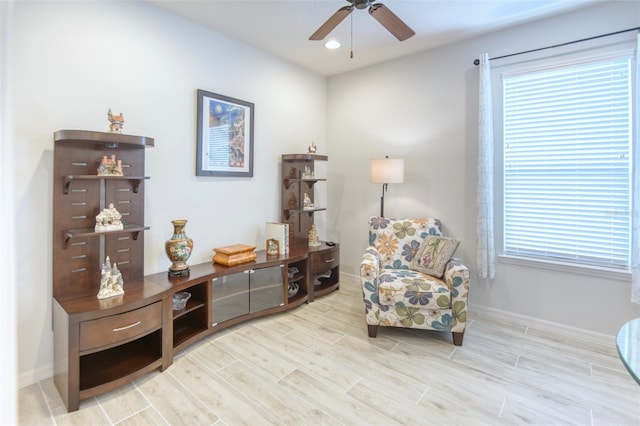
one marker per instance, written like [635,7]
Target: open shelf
[105,366]
[191,306]
[310,182]
[186,327]
[193,319]
[297,277]
[91,232]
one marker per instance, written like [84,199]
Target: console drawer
[119,328]
[324,259]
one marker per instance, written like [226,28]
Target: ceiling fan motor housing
[360,4]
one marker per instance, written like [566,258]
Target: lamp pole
[384,188]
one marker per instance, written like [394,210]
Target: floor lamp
[386,170]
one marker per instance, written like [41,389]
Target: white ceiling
[283,27]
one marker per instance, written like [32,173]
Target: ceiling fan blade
[390,21]
[331,23]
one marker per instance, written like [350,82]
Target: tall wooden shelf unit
[294,186]
[101,344]
[324,261]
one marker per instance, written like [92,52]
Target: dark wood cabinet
[324,270]
[102,344]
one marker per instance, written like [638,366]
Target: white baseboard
[551,326]
[34,376]
[525,320]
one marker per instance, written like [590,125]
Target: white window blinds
[567,164]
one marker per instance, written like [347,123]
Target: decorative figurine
[306,202]
[292,202]
[109,220]
[314,241]
[117,122]
[307,174]
[312,148]
[111,283]
[110,167]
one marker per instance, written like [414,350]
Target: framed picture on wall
[224,136]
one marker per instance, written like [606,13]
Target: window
[567,164]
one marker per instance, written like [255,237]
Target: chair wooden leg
[457,338]
[373,330]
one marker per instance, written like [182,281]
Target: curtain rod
[477,61]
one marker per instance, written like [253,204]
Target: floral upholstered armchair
[410,280]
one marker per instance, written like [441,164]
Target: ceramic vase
[178,249]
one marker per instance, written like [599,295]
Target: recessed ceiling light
[332,44]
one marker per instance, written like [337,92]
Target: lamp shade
[387,170]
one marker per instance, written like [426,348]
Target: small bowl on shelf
[293,289]
[292,271]
[180,300]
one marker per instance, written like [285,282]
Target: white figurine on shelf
[312,148]
[314,241]
[109,220]
[111,283]
[306,202]
[307,173]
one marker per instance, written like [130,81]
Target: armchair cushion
[398,240]
[433,255]
[401,287]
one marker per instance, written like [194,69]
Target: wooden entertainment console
[100,345]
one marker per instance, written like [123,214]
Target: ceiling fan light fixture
[332,44]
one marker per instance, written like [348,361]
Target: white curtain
[484,214]
[635,219]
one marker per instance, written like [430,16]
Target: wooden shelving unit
[101,344]
[294,186]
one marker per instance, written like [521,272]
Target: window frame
[533,66]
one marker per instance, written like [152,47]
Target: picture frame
[224,136]
[273,247]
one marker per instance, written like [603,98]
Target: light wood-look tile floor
[315,365]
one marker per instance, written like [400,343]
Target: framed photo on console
[224,136]
[273,247]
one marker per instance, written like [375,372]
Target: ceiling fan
[379,11]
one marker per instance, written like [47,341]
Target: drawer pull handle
[127,326]
[329,260]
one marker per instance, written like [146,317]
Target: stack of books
[234,254]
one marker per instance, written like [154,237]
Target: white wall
[424,108]
[75,60]
[8,310]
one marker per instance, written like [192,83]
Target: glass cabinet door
[267,288]
[230,297]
